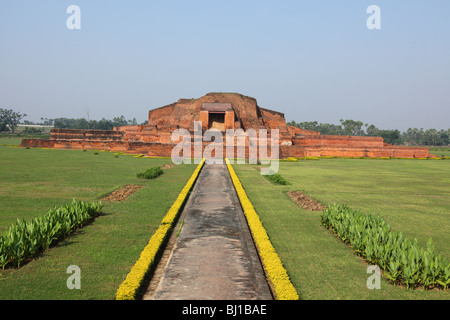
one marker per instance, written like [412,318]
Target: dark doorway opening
[216,120]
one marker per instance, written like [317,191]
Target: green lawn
[35,180]
[9,141]
[440,151]
[412,195]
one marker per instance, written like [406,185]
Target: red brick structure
[221,111]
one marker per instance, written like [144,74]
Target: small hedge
[24,239]
[401,260]
[151,173]
[277,179]
[289,159]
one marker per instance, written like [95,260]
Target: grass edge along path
[277,274]
[129,288]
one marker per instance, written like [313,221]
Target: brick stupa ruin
[221,111]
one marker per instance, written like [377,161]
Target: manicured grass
[412,195]
[35,180]
[10,140]
[440,151]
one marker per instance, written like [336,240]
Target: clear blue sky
[312,60]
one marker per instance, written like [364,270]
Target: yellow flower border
[130,286]
[275,271]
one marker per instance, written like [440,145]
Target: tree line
[9,120]
[82,123]
[103,124]
[412,136]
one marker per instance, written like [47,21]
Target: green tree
[444,137]
[410,136]
[352,127]
[291,123]
[308,125]
[372,131]
[432,137]
[9,119]
[391,136]
[119,121]
[332,129]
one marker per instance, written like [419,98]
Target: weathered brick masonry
[221,111]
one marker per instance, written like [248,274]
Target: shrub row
[277,179]
[129,289]
[273,266]
[151,173]
[24,239]
[308,158]
[289,159]
[402,261]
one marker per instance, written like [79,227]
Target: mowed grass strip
[440,151]
[35,180]
[413,196]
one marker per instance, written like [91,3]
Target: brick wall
[341,141]
[76,134]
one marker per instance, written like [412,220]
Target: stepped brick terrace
[221,111]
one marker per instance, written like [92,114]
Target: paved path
[214,256]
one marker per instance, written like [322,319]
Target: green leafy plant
[402,260]
[277,179]
[179,229]
[24,239]
[151,173]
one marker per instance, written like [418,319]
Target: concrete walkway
[214,256]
